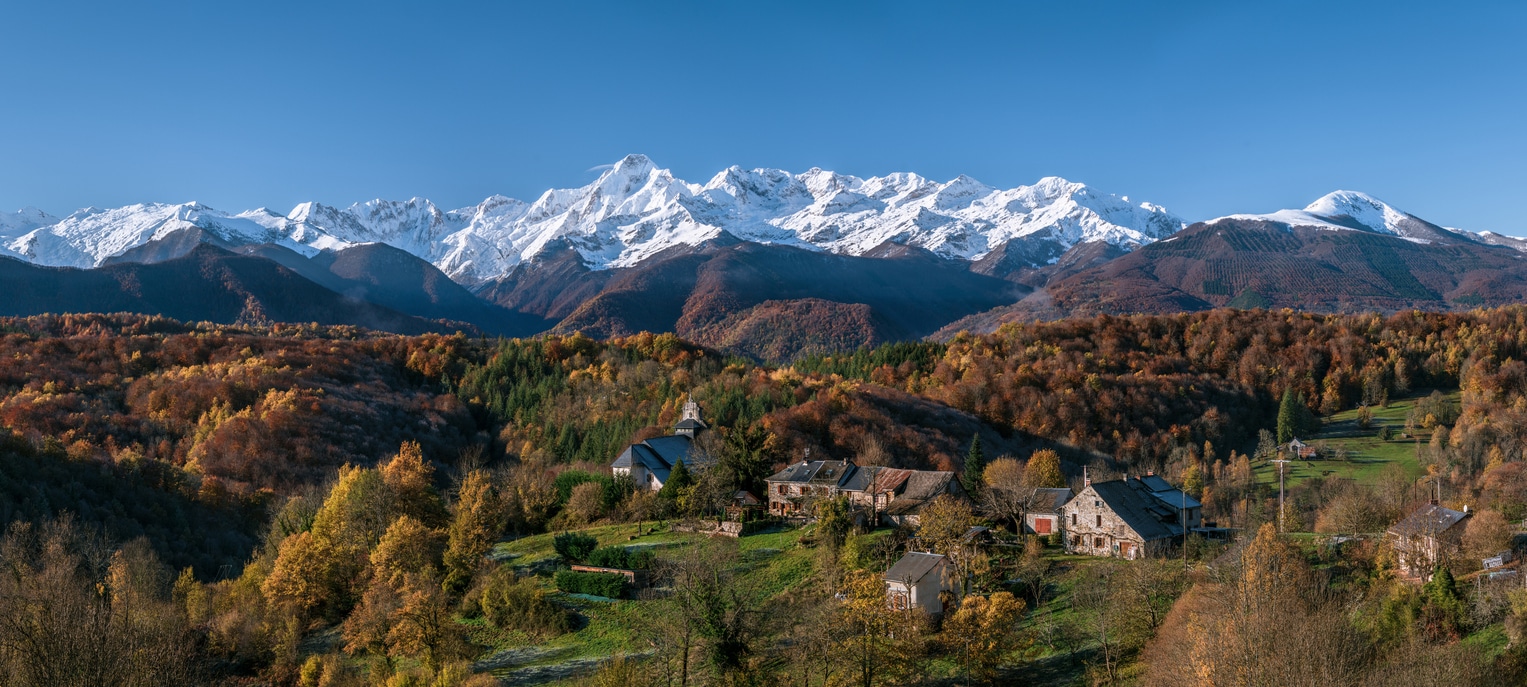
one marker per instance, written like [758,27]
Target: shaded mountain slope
[373,272]
[1256,262]
[390,277]
[776,302]
[206,284]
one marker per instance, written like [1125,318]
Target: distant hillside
[770,302]
[1262,263]
[206,284]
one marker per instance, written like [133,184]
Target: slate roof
[659,454]
[1430,519]
[913,567]
[690,423]
[1135,506]
[923,485]
[832,472]
[1050,499]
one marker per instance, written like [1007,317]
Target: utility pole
[1281,461]
[1184,514]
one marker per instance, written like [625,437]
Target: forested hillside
[385,467]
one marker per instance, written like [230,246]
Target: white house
[649,462]
[920,580]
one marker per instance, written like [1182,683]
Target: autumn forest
[194,503]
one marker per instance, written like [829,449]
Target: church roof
[659,454]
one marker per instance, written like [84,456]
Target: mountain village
[1129,518]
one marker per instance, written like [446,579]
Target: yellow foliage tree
[407,547]
[356,512]
[308,574]
[408,477]
[984,631]
[477,522]
[1043,470]
[422,625]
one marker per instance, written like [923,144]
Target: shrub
[608,585]
[567,480]
[511,603]
[620,557]
[575,547]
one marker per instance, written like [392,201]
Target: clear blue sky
[1207,108]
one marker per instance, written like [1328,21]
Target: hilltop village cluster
[1129,518]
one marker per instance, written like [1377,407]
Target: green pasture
[1367,456]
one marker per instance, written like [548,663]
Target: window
[1100,520]
[783,490]
[1073,519]
[1097,542]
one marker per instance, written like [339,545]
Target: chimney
[1465,509]
[1086,480]
[1150,472]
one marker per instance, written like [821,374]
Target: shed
[919,580]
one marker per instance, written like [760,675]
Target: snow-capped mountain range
[633,211]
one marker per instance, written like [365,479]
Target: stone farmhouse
[890,494]
[793,489]
[1129,518]
[1430,536]
[922,581]
[649,462]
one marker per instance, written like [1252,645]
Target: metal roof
[1177,499]
[913,567]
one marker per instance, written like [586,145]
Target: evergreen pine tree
[678,479]
[1307,424]
[975,465]
[1288,416]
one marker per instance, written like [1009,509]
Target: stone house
[793,489]
[1430,536]
[919,489]
[1129,518]
[881,494]
[922,581]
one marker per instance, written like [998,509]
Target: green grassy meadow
[1368,456]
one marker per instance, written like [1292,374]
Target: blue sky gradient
[1207,108]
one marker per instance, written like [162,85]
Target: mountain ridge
[635,210]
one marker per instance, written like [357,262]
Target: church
[648,463]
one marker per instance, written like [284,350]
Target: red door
[1043,525]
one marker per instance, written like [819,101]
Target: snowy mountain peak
[635,209]
[1362,208]
[1353,211]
